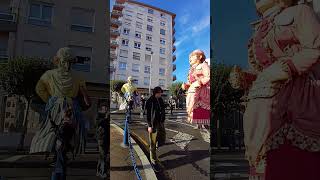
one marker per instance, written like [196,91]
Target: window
[82,20]
[162,82]
[122,66]
[149,37]
[162,61]
[162,31]
[162,50]
[137,45]
[146,81]
[162,15]
[150,11]
[139,25]
[162,71]
[147,58]
[40,14]
[123,53]
[8,104]
[150,19]
[127,19]
[125,42]
[148,47]
[149,27]
[162,23]
[127,23]
[162,41]
[122,77]
[83,58]
[126,31]
[138,34]
[135,67]
[136,56]
[139,16]
[135,80]
[147,69]
[128,15]
[7,114]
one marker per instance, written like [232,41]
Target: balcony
[8,22]
[114,44]
[174,67]
[173,40]
[116,14]
[113,55]
[174,58]
[119,5]
[174,77]
[115,23]
[173,48]
[174,31]
[114,33]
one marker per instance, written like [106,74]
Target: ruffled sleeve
[308,34]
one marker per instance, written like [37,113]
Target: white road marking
[181,139]
[13,158]
[205,136]
[179,122]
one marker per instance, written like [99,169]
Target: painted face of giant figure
[263,5]
[63,59]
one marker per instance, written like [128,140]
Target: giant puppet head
[264,5]
[63,59]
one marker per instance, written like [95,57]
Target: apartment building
[142,44]
[38,28]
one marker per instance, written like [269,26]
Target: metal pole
[150,74]
[125,133]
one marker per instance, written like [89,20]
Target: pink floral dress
[198,99]
[281,121]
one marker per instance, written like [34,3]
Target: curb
[147,168]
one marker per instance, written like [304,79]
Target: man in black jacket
[155,118]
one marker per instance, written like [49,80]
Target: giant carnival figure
[65,96]
[130,95]
[281,120]
[198,90]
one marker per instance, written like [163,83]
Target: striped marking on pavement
[148,170]
[13,158]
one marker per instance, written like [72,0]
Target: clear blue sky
[232,30]
[192,29]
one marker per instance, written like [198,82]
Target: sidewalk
[120,160]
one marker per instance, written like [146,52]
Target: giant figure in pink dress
[198,86]
[281,121]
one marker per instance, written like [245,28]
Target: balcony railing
[174,67]
[173,48]
[116,14]
[114,44]
[173,40]
[174,77]
[174,58]
[118,6]
[115,22]
[114,32]
[9,17]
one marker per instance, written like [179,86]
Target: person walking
[172,104]
[155,119]
[143,104]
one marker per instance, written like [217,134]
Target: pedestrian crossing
[230,168]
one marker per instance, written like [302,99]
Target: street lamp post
[150,74]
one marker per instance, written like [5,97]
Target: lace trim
[202,105]
[294,136]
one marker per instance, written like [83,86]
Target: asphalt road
[186,154]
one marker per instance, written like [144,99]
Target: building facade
[38,28]
[142,44]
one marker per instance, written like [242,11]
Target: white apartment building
[142,44]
